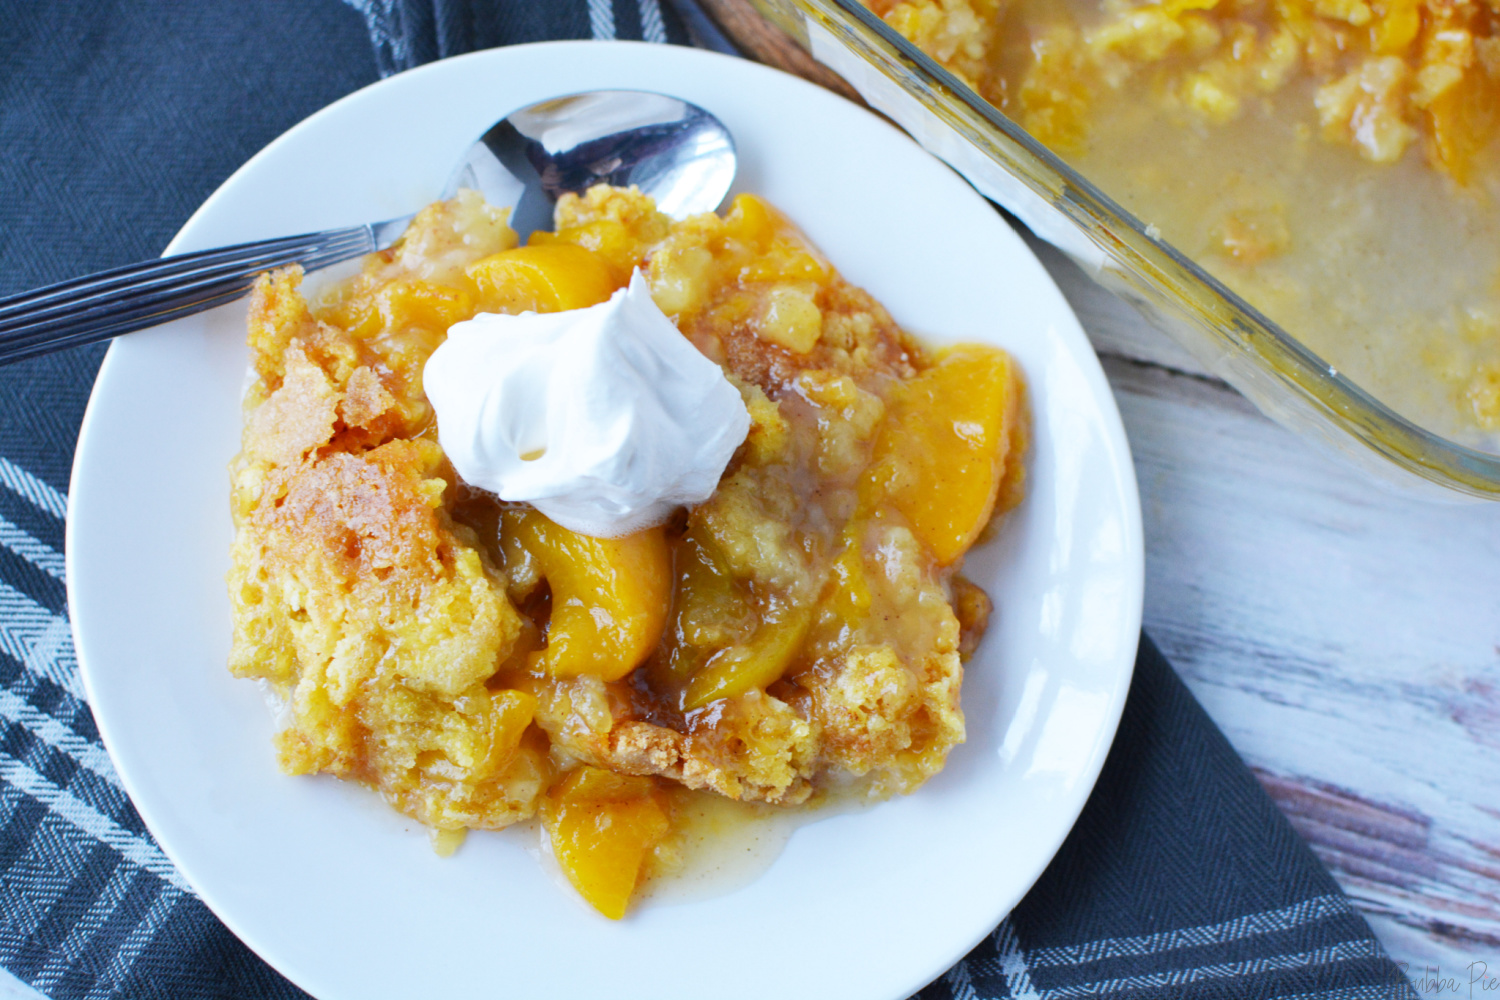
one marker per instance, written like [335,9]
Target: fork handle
[110,303]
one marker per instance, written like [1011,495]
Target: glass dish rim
[1350,409]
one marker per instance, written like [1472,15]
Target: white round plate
[342,894]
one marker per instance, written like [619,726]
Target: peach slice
[401,305]
[941,455]
[709,610]
[616,245]
[602,826]
[755,664]
[1464,119]
[609,595]
[504,722]
[549,277]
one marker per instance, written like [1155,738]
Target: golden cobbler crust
[388,606]
[1384,75]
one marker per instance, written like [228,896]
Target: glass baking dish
[1285,379]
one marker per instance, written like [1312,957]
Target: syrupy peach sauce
[479,664]
[1336,162]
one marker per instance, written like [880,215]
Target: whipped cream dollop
[605,419]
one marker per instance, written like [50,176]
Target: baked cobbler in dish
[479,664]
[1335,162]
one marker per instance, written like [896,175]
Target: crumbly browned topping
[400,619]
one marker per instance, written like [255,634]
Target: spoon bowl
[675,152]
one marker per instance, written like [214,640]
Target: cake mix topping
[605,419]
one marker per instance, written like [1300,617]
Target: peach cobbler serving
[479,663]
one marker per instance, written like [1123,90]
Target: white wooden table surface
[1345,638]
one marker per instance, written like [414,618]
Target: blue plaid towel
[1181,879]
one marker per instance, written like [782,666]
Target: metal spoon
[676,152]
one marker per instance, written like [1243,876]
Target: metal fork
[110,303]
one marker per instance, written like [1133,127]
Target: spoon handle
[110,303]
